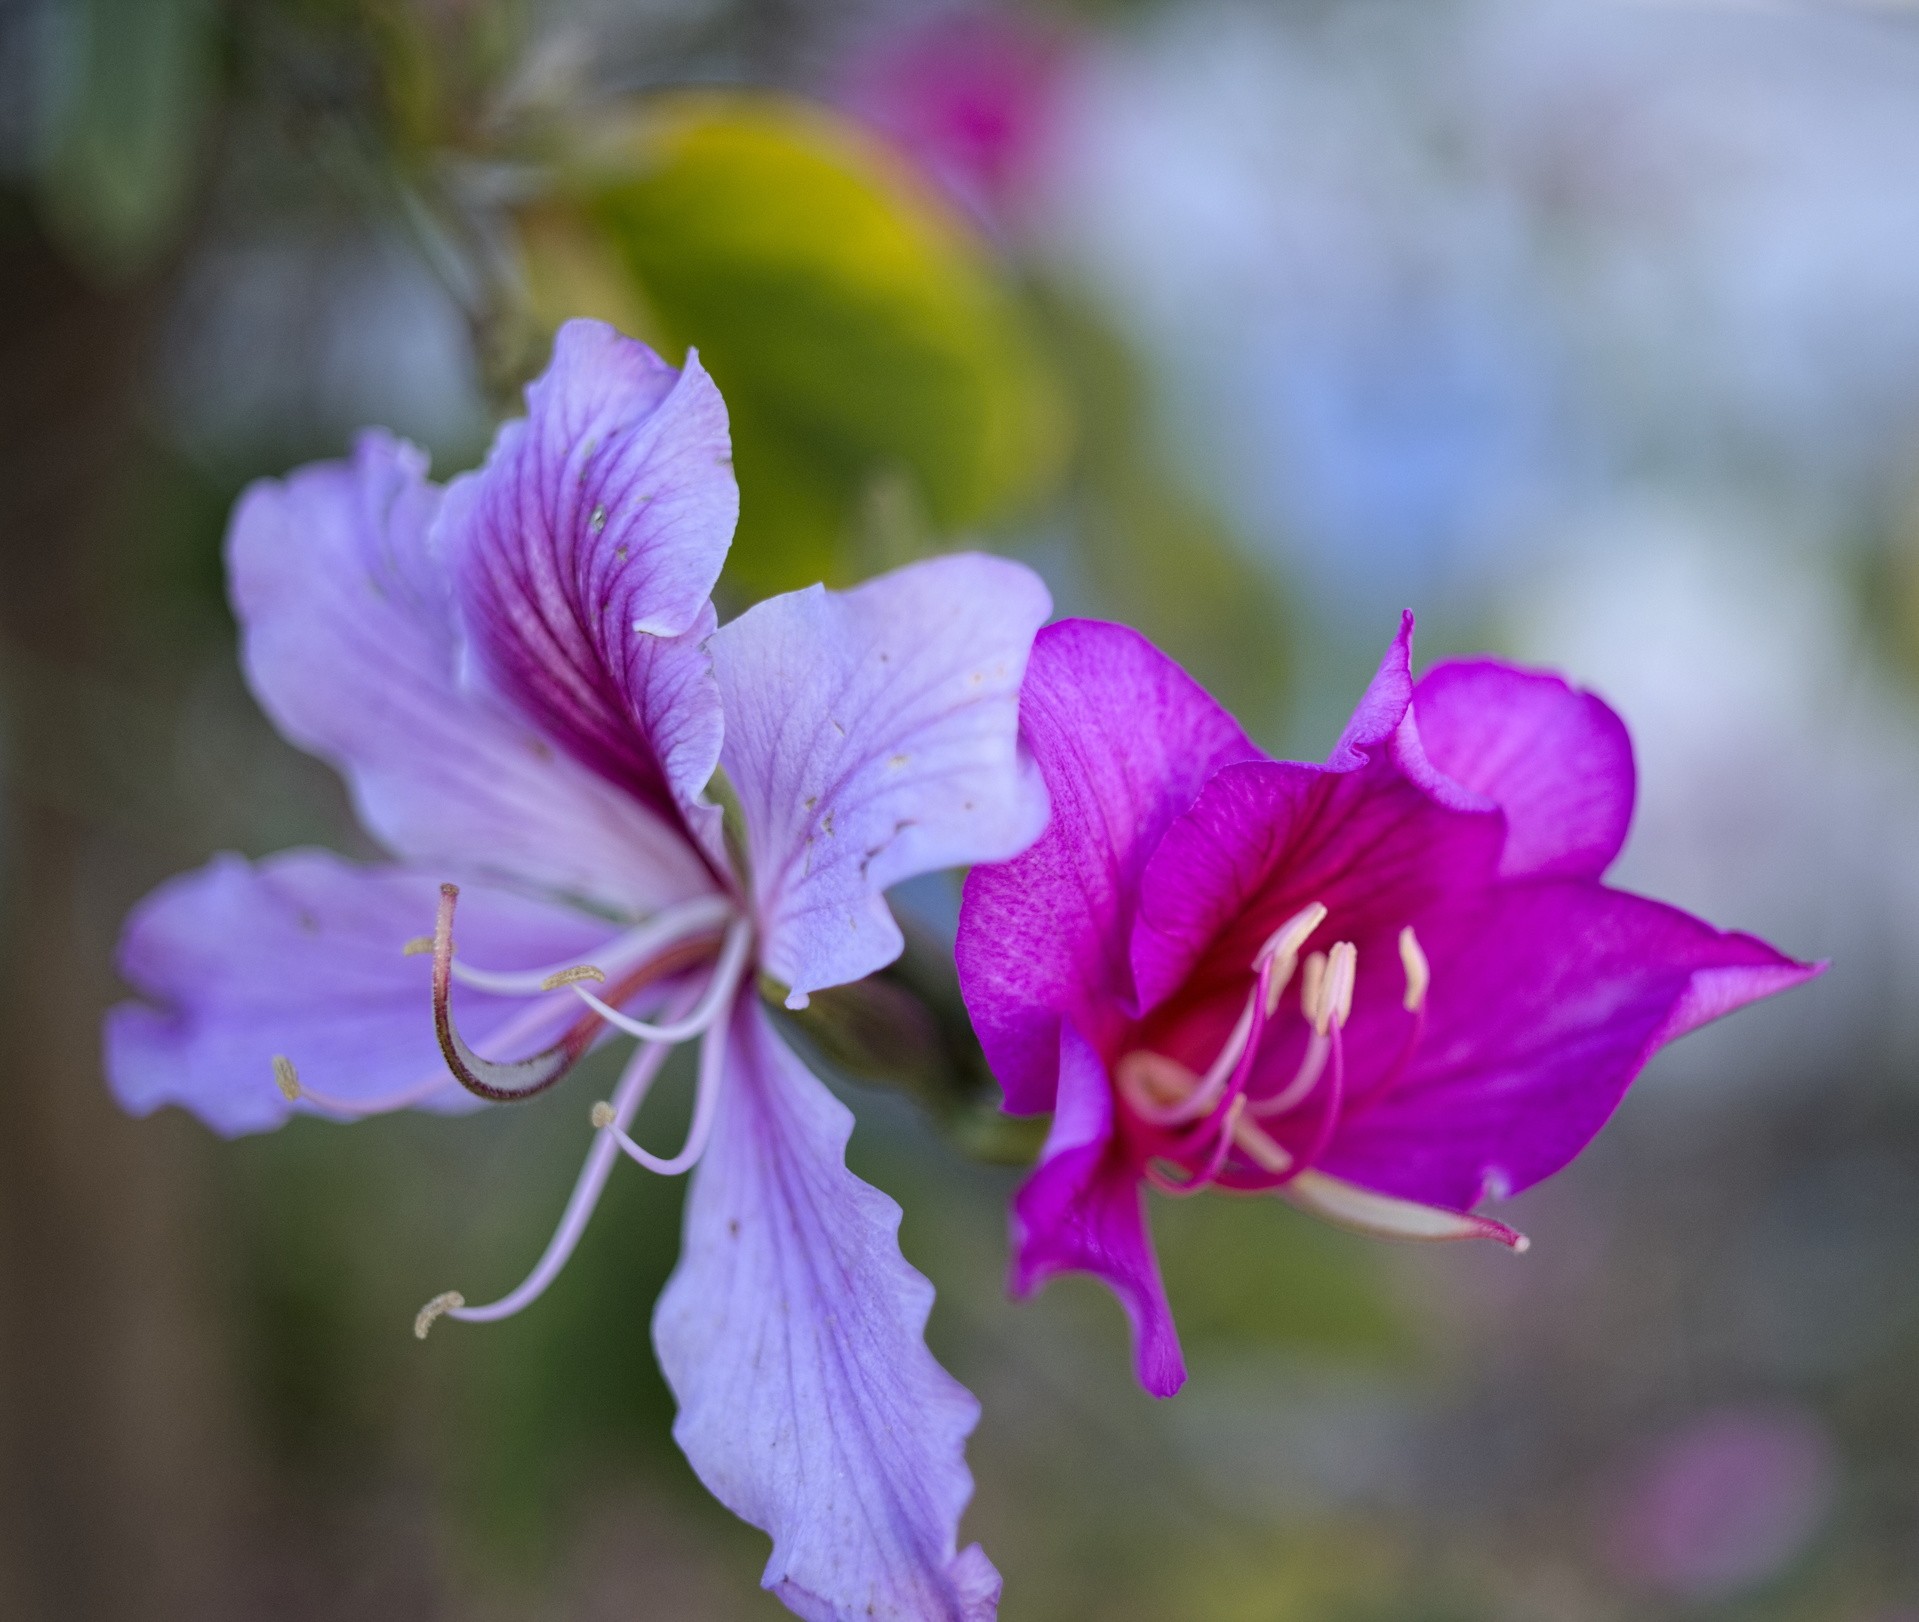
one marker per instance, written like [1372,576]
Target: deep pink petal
[791,1334]
[873,735]
[1267,838]
[1382,706]
[1124,739]
[301,956]
[1548,997]
[585,551]
[1556,760]
[350,641]
[1084,1210]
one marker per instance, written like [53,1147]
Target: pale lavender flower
[522,680]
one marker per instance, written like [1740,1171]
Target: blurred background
[1589,330]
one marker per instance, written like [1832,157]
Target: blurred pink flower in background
[1722,1502]
[967,94]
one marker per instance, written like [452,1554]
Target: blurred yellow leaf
[857,328]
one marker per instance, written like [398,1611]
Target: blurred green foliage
[127,91]
[857,329]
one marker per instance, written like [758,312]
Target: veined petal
[1548,996]
[585,552]
[791,1334]
[1267,838]
[872,735]
[1083,1210]
[301,957]
[1556,760]
[1125,739]
[351,644]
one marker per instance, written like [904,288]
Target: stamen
[1202,1179]
[574,976]
[663,929]
[286,1078]
[1389,1217]
[602,1115]
[1286,940]
[1157,1087]
[1312,981]
[635,1081]
[1264,1151]
[491,1079]
[1282,951]
[524,1078]
[1419,973]
[1336,987]
[719,990]
[1335,1085]
[1312,1065]
[423,1320]
[705,1105]
[419,946]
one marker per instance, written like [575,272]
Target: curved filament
[518,1079]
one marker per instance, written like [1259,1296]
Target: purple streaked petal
[1267,838]
[301,955]
[1125,739]
[873,735]
[1548,997]
[1556,760]
[585,552]
[791,1334]
[351,645]
[1084,1210]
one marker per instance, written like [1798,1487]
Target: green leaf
[860,332]
[127,85]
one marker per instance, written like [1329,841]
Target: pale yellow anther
[1279,957]
[1286,940]
[419,946]
[573,977]
[1312,983]
[1155,1079]
[1419,973]
[423,1319]
[1336,993]
[602,1115]
[286,1078]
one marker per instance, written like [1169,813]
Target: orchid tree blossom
[522,679]
[1387,989]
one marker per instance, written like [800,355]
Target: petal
[1124,740]
[1083,1210]
[351,645]
[791,1334]
[586,550]
[873,735]
[1547,998]
[1382,706]
[301,956]
[1556,760]
[1267,838]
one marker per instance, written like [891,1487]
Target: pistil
[667,938]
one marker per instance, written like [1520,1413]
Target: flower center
[662,956]
[1193,1131]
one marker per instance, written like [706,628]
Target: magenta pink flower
[1387,989]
